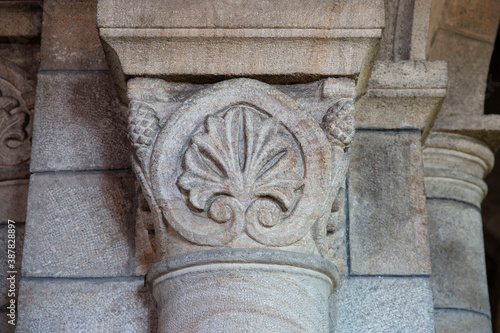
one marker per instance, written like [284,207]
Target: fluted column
[454,167]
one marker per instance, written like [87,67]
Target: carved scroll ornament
[240,164]
[16,104]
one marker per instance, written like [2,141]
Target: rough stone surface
[410,74]
[277,41]
[20,19]
[79,225]
[485,128]
[420,29]
[383,304]
[468,63]
[79,123]
[388,225]
[70,39]
[454,167]
[477,19]
[323,14]
[402,94]
[457,254]
[203,54]
[100,305]
[452,321]
[14,194]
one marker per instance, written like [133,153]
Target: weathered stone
[70,38]
[403,94]
[386,49]
[477,19]
[409,74]
[223,291]
[20,19]
[277,41]
[18,252]
[224,124]
[452,321]
[468,63]
[320,14]
[79,124]
[100,305]
[420,29]
[457,254]
[455,166]
[14,194]
[388,225]
[92,213]
[484,127]
[383,304]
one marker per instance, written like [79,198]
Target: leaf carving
[243,156]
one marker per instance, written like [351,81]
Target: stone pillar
[455,166]
[242,174]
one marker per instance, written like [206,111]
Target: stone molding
[222,290]
[454,167]
[274,41]
[240,163]
[403,95]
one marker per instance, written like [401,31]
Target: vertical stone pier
[455,166]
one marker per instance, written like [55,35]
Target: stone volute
[241,175]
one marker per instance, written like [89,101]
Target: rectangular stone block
[120,305]
[457,252]
[14,198]
[377,304]
[79,123]
[70,39]
[387,217]
[80,225]
[321,14]
[453,321]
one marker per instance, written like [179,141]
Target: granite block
[79,124]
[80,225]
[388,223]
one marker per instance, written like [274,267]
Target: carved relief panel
[16,110]
[241,163]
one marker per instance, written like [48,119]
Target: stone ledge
[323,14]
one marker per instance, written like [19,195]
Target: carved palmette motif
[240,164]
[245,158]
